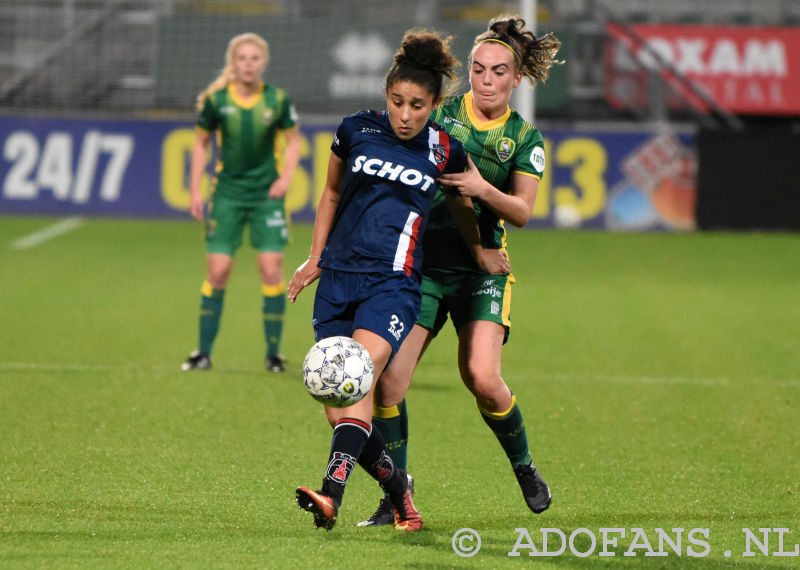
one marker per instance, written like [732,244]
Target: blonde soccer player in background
[248,189]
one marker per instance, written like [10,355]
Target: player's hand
[278,189]
[303,276]
[468,183]
[197,207]
[493,261]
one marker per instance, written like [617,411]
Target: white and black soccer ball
[338,371]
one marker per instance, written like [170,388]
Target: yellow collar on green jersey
[245,103]
[484,125]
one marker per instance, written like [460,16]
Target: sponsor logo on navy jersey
[390,171]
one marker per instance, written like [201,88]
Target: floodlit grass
[659,376]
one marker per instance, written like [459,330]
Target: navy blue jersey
[387,191]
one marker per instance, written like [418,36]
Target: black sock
[349,437]
[376,461]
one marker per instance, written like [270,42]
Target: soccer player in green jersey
[249,188]
[506,164]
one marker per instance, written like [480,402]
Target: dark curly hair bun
[424,58]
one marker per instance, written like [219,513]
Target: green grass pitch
[659,376]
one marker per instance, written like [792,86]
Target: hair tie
[516,55]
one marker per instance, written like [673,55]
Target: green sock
[392,422]
[509,428]
[273,309]
[211,303]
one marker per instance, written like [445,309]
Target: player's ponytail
[425,58]
[227,76]
[533,56]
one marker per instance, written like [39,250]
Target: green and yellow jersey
[499,148]
[246,131]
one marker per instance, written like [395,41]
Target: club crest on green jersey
[268,116]
[504,148]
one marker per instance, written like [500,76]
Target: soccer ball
[337,371]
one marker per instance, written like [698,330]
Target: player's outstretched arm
[515,207]
[309,271]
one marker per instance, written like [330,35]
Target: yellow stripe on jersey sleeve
[531,174]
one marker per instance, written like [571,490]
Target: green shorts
[466,297]
[227,219]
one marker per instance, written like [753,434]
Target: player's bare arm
[309,271]
[290,159]
[515,207]
[199,159]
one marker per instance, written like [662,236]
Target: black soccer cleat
[275,363]
[323,507]
[197,361]
[382,516]
[534,489]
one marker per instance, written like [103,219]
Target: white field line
[48,233]
[56,367]
[105,368]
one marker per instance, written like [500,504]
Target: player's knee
[488,388]
[480,375]
[484,383]
[271,276]
[218,275]
[391,389]
[219,280]
[495,398]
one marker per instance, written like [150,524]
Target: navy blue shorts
[386,304]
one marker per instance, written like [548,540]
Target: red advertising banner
[744,70]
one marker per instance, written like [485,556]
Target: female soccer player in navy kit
[509,161]
[365,251]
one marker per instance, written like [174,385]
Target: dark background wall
[749,180]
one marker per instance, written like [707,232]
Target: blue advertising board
[637,180]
